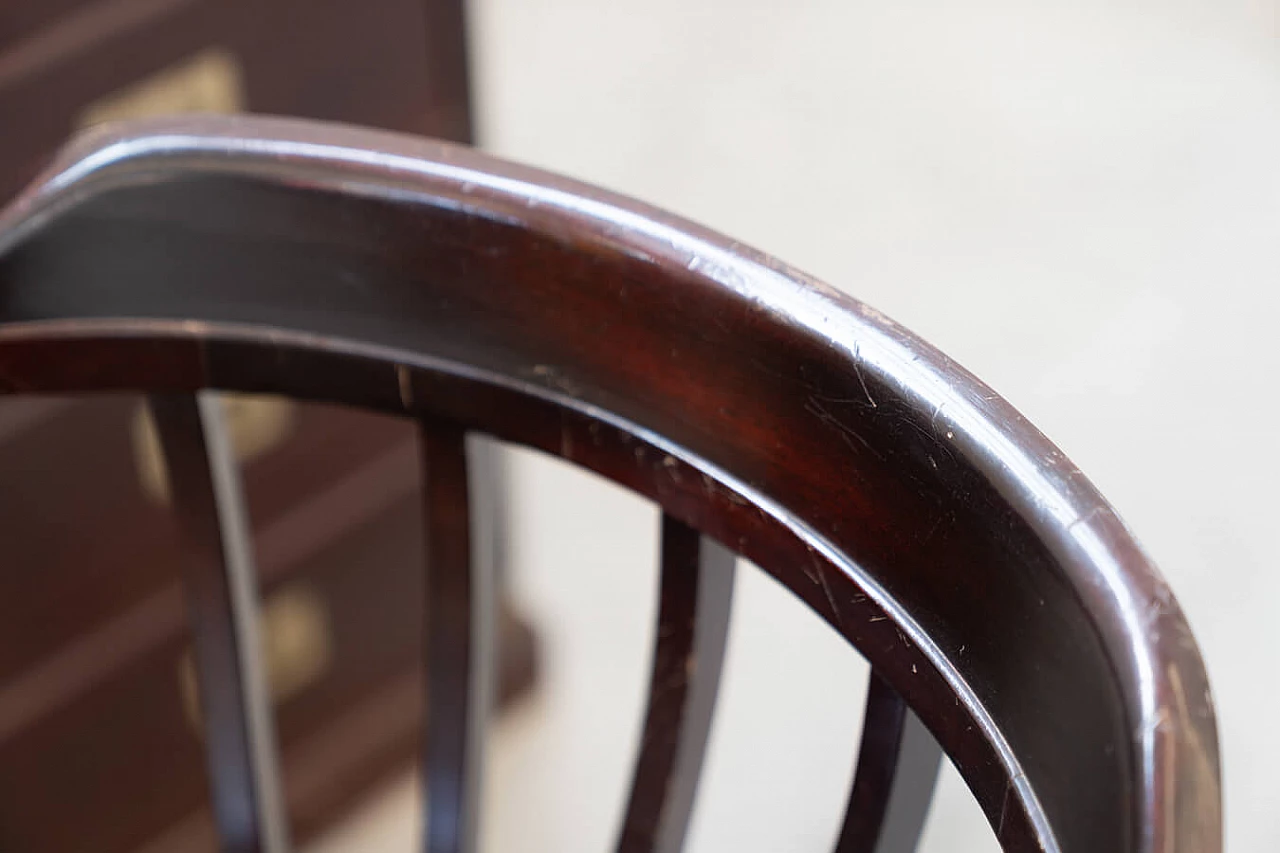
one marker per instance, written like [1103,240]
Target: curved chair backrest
[998,598]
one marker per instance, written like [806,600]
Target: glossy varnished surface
[695,597]
[222,593]
[457,603]
[917,513]
[898,763]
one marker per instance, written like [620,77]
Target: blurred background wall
[1079,201]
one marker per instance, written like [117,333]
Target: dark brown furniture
[98,662]
[398,64]
[1008,615]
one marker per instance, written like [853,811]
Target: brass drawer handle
[211,81]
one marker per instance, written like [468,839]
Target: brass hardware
[255,423]
[298,646]
[211,81]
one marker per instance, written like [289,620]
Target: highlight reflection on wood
[918,515]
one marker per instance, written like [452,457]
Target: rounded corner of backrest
[908,505]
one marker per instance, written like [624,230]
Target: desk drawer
[375,62]
[121,763]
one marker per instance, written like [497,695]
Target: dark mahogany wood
[459,624]
[893,784]
[914,511]
[695,596]
[222,594]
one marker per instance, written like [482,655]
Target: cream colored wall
[1079,201]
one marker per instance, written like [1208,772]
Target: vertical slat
[695,596]
[488,481]
[459,630]
[893,784]
[221,590]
